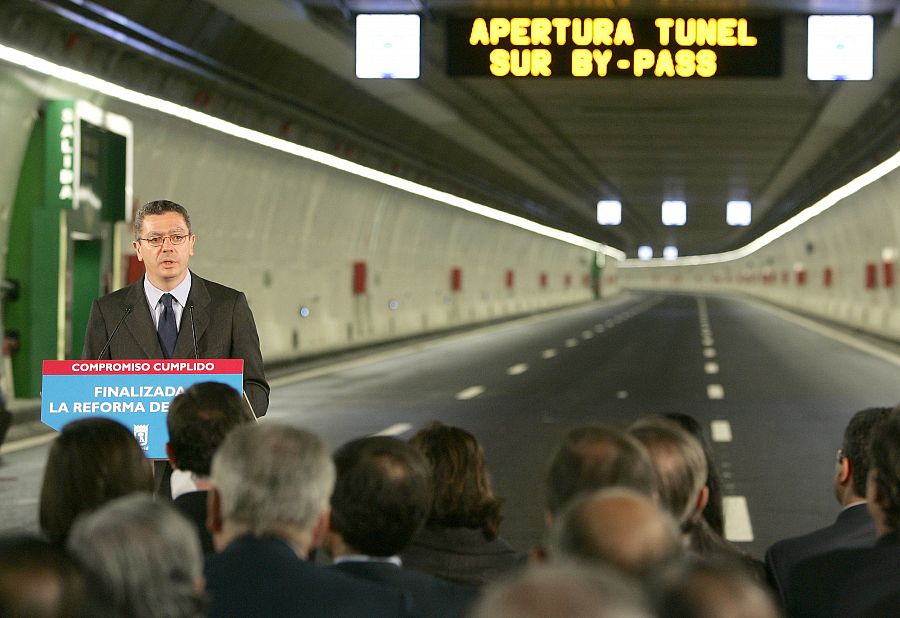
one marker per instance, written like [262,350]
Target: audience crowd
[263,521]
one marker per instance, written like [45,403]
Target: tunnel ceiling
[547,149]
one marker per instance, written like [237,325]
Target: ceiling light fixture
[738,212]
[609,212]
[674,212]
[863,180]
[84,80]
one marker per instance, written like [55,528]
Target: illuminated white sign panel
[840,47]
[67,150]
[387,46]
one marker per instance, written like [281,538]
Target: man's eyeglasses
[840,455]
[158,241]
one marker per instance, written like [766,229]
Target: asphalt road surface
[775,391]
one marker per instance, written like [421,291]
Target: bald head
[619,527]
[563,591]
[595,457]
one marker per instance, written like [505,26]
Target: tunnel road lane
[781,394]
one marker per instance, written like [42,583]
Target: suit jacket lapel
[198,298]
[141,328]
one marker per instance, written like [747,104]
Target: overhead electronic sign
[601,47]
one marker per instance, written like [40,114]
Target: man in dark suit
[268,508]
[854,526]
[198,421]
[381,498]
[173,313]
[863,581]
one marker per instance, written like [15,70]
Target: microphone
[128,310]
[194,332]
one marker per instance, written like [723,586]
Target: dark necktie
[167,329]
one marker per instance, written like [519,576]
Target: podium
[135,393]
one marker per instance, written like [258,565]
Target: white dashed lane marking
[720,430]
[737,519]
[709,352]
[711,368]
[394,430]
[715,391]
[548,353]
[469,393]
[587,335]
[622,395]
[599,328]
[517,369]
[571,343]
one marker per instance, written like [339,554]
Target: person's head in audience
[462,493]
[90,462]
[38,579]
[563,591]
[271,480]
[852,465]
[594,457]
[680,467]
[198,420]
[714,513]
[146,554]
[381,498]
[703,588]
[883,483]
[617,527]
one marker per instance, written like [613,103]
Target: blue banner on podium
[134,393]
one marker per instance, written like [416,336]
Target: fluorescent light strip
[84,80]
[858,183]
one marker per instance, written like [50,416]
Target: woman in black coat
[461,539]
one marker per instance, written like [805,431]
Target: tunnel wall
[363,261]
[840,265]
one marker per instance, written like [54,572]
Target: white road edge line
[737,519]
[720,430]
[394,430]
[24,443]
[517,369]
[831,333]
[715,391]
[469,393]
